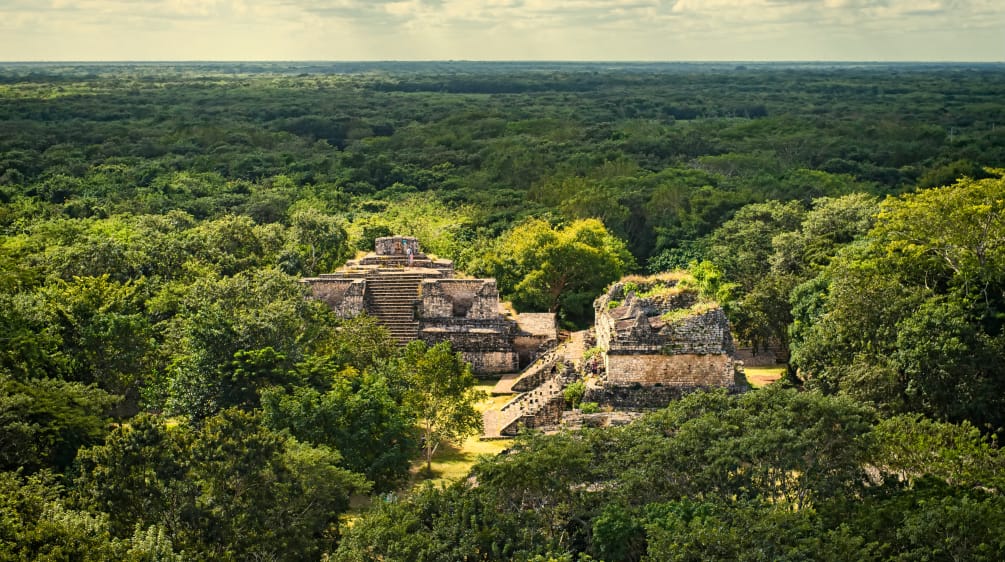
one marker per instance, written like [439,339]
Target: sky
[606,30]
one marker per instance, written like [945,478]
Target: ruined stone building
[420,298]
[657,340]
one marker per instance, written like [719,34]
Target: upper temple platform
[400,251]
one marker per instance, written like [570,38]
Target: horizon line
[523,61]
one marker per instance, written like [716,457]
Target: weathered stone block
[674,370]
[460,298]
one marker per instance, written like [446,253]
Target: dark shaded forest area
[168,392]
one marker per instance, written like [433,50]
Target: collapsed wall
[658,340]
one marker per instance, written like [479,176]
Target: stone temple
[658,340]
[417,297]
[655,339]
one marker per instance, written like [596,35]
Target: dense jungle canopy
[167,392]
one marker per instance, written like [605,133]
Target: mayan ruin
[657,339]
[417,297]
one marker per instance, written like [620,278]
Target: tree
[45,421]
[318,241]
[140,477]
[558,270]
[741,247]
[39,525]
[229,337]
[573,394]
[231,489]
[358,417]
[106,335]
[770,256]
[911,318]
[441,395]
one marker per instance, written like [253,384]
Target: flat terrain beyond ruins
[533,311]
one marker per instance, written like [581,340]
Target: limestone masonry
[658,339]
[655,340]
[419,298]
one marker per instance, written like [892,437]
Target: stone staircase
[391,298]
[538,372]
[541,406]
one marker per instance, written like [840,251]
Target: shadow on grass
[452,463]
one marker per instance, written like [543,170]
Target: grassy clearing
[451,463]
[765,375]
[492,402]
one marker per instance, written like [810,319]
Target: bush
[574,393]
[589,408]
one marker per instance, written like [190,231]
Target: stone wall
[631,330]
[468,338]
[460,298]
[639,397]
[685,370]
[543,415]
[545,368]
[701,333]
[344,296]
[529,347]
[396,246]
[491,362]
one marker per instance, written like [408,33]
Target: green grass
[765,375]
[452,463]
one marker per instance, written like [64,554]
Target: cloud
[594,29]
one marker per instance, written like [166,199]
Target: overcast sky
[639,30]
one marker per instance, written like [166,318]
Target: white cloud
[487,29]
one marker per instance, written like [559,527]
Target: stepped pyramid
[417,297]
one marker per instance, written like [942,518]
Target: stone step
[390,315]
[503,422]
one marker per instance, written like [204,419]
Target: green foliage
[231,489]
[38,525]
[139,476]
[911,318]
[45,421]
[440,393]
[443,230]
[150,245]
[742,245]
[775,474]
[319,242]
[542,268]
[573,394]
[230,337]
[358,417]
[589,407]
[770,248]
[709,281]
[107,338]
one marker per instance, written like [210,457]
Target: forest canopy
[167,391]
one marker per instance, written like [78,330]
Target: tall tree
[912,318]
[441,394]
[358,417]
[559,270]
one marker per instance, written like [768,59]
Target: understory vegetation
[168,391]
